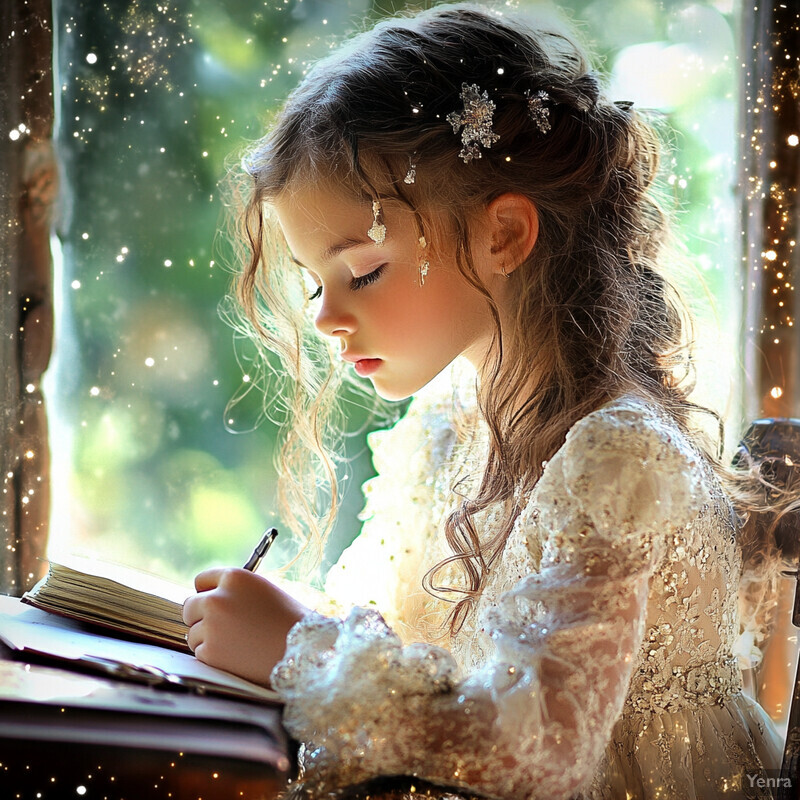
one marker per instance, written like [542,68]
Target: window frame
[29,174]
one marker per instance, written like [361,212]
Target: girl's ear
[513,228]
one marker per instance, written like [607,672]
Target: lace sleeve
[535,719]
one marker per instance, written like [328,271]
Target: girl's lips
[366,366]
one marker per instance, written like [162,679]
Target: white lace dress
[599,662]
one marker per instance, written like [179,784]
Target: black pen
[261,550]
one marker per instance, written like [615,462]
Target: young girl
[546,584]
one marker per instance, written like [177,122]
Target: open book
[134,603]
[37,637]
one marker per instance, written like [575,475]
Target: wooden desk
[68,734]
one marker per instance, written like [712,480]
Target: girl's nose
[333,319]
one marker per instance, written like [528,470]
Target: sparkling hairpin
[538,111]
[476,119]
[411,175]
[424,264]
[378,230]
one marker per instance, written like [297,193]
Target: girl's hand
[239,621]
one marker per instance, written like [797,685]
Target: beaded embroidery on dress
[599,662]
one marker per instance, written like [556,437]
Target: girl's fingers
[238,621]
[193,607]
[192,610]
[194,639]
[208,579]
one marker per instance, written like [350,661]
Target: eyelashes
[356,283]
[366,280]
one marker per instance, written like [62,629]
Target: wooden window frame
[768,182]
[28,175]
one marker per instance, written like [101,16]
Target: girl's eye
[365,280]
[313,285]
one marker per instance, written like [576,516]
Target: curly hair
[592,316]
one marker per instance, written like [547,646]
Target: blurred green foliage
[155,97]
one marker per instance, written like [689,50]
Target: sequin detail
[615,598]
[475,122]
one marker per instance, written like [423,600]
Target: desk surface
[66,734]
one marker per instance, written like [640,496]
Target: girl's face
[395,330]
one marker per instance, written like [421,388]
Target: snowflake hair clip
[476,121]
[538,111]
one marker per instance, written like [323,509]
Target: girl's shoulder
[626,464]
[634,426]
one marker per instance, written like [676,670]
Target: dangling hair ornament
[411,175]
[538,111]
[476,119]
[424,264]
[378,230]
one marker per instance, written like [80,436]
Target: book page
[30,629]
[134,579]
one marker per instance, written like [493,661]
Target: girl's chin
[388,390]
[391,393]
[394,391]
